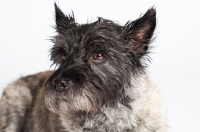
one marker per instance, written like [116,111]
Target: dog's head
[96,61]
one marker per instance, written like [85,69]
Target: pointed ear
[138,33]
[63,22]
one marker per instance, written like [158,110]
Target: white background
[25,27]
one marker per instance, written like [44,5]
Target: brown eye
[98,56]
[64,55]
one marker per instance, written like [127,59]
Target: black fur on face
[96,62]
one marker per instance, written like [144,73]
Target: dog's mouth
[72,98]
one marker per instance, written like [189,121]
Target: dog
[99,84]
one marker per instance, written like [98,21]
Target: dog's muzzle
[61,84]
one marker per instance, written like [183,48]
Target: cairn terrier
[100,83]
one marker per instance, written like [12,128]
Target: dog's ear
[63,22]
[138,33]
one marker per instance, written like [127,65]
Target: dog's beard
[74,99]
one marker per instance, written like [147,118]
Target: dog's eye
[64,55]
[98,56]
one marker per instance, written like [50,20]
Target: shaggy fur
[100,84]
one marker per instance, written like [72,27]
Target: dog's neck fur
[113,119]
[121,118]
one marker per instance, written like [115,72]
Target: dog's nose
[60,84]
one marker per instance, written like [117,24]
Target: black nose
[60,84]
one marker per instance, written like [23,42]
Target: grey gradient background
[25,27]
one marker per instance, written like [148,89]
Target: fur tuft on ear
[138,33]
[63,21]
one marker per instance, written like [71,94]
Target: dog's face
[96,62]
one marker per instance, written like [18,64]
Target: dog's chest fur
[113,119]
[109,119]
